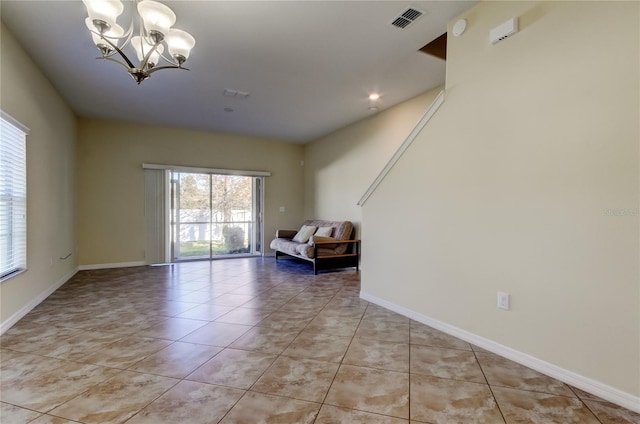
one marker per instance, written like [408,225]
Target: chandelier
[153,33]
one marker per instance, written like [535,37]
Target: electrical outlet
[503,300]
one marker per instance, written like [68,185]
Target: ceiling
[308,66]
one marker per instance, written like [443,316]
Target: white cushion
[305,232]
[324,231]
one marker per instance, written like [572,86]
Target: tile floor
[252,341]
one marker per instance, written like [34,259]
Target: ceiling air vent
[406,18]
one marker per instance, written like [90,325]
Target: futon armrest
[337,241]
[319,244]
[287,234]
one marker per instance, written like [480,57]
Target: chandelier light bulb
[157,18]
[180,44]
[112,34]
[103,13]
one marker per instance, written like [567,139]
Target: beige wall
[508,188]
[340,166]
[514,186]
[29,97]
[110,187]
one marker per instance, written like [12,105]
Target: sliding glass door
[215,215]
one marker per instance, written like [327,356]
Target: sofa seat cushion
[306,250]
[303,250]
[286,246]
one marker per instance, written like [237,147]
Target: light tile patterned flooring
[252,341]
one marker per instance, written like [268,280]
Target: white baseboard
[624,399]
[114,265]
[35,302]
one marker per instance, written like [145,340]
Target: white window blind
[13,197]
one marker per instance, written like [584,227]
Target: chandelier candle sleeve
[150,38]
[180,44]
[113,34]
[157,18]
[105,12]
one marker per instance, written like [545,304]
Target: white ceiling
[309,66]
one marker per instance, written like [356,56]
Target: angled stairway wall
[339,167]
[526,181]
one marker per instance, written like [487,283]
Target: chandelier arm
[145,59]
[108,55]
[169,59]
[116,48]
[111,59]
[126,37]
[152,70]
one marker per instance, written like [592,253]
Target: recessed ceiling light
[374,96]
[373,109]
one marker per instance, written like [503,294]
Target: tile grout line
[585,404]
[475,355]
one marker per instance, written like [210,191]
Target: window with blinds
[13,197]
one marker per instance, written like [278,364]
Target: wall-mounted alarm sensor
[459,27]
